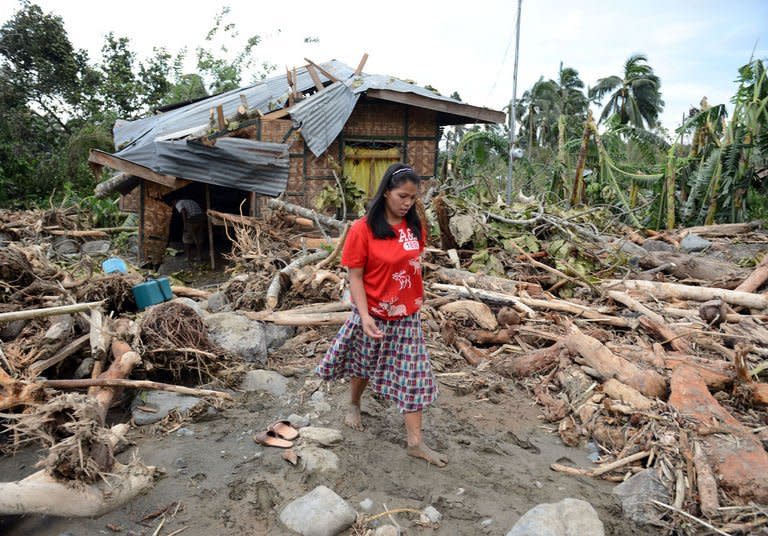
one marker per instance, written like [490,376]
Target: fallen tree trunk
[40,493]
[605,364]
[485,282]
[716,379]
[124,361]
[634,305]
[286,318]
[484,336]
[189,292]
[756,279]
[306,213]
[686,292]
[276,286]
[740,466]
[472,355]
[132,384]
[47,311]
[627,395]
[683,266]
[721,229]
[550,304]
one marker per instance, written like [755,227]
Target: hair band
[401,170]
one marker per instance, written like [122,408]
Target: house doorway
[365,163]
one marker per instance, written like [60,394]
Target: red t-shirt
[391,268]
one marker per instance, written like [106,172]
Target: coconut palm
[634,97]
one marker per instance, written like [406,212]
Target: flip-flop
[268,438]
[284,430]
[291,457]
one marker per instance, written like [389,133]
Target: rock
[180,462]
[162,401]
[657,245]
[277,335]
[321,512]
[185,432]
[239,335]
[189,302]
[11,330]
[324,436]
[487,522]
[386,530]
[693,242]
[431,515]
[298,421]
[630,248]
[217,302]
[95,248]
[569,517]
[366,505]
[66,246]
[636,493]
[84,369]
[317,460]
[264,381]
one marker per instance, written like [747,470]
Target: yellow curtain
[365,167]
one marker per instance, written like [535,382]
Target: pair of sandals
[279,434]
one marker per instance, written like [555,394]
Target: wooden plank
[220,117]
[360,65]
[483,115]
[315,78]
[327,74]
[105,159]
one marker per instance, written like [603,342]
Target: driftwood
[14,392]
[683,266]
[189,292]
[634,305]
[276,286]
[41,493]
[336,250]
[721,229]
[526,365]
[110,383]
[306,213]
[485,337]
[627,395]
[605,468]
[551,304]
[73,347]
[714,378]
[100,340]
[667,335]
[741,463]
[472,355]
[478,312]
[123,363]
[605,364]
[756,279]
[47,311]
[705,482]
[686,292]
[485,282]
[287,318]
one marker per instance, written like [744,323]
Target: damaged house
[285,135]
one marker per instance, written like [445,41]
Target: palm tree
[635,98]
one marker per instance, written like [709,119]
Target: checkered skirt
[396,366]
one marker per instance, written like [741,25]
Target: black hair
[395,176]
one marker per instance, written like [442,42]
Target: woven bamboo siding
[131,202]
[376,118]
[274,130]
[422,122]
[322,167]
[156,222]
[421,156]
[314,187]
[296,176]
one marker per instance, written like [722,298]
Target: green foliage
[353,201]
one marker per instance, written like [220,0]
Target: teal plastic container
[165,288]
[148,293]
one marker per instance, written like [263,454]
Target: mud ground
[219,482]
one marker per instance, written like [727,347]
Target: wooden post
[211,249]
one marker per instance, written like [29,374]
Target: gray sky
[695,47]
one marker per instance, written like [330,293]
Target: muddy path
[218,481]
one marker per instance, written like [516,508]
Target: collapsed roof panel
[322,116]
[248,165]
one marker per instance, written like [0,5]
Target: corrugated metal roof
[323,115]
[156,141]
[248,165]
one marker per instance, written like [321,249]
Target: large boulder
[149,407]
[321,512]
[264,381]
[239,335]
[569,517]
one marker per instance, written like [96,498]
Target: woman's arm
[357,290]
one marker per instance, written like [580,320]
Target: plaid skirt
[396,366]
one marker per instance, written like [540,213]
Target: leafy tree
[635,96]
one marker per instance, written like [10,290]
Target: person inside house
[193,219]
[382,343]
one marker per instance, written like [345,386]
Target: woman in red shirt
[382,344]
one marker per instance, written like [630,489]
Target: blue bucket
[114,264]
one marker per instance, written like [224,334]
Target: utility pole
[512,152]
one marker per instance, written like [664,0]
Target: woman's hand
[370,328]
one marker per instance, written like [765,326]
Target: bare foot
[424,452]
[353,419]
